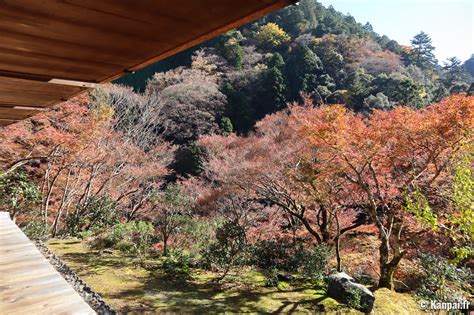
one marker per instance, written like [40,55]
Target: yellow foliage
[271,35]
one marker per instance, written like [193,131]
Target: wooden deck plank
[28,283]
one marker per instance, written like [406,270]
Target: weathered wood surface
[28,283]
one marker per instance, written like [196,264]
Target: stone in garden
[342,288]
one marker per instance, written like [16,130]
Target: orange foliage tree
[82,164]
[386,157]
[333,170]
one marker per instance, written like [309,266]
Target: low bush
[274,254]
[99,213]
[177,263]
[36,230]
[314,262]
[227,251]
[442,280]
[134,238]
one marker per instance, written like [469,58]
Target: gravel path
[92,298]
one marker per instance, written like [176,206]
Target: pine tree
[454,72]
[231,49]
[278,84]
[422,54]
[226,126]
[303,71]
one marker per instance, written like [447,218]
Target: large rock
[342,288]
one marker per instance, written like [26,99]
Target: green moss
[282,285]
[391,302]
[128,287]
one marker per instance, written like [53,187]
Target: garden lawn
[127,287]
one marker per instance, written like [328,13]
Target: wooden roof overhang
[52,50]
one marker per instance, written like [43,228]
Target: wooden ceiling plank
[15,114]
[79,73]
[99,41]
[5,122]
[202,38]
[95,16]
[14,91]
[42,45]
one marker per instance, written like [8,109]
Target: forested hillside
[238,176]
[235,80]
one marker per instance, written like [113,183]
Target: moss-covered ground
[130,288]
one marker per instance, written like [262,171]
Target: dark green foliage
[275,85]
[422,55]
[442,280]
[188,160]
[360,88]
[455,75]
[228,249]
[134,238]
[197,233]
[97,213]
[378,101]
[469,65]
[314,262]
[226,126]
[279,255]
[399,89]
[36,230]
[276,254]
[18,192]
[177,264]
[138,79]
[304,68]
[240,109]
[230,48]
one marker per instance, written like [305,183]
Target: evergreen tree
[303,70]
[454,72]
[240,111]
[226,126]
[422,54]
[275,82]
[230,48]
[469,65]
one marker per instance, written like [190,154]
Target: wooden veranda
[28,283]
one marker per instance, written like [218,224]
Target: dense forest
[299,145]
[304,50]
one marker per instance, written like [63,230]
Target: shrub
[442,281]
[134,238]
[196,234]
[18,193]
[99,213]
[353,298]
[36,230]
[228,249]
[177,263]
[84,234]
[314,262]
[271,277]
[275,254]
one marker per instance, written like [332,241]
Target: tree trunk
[386,277]
[387,266]
[324,225]
[165,244]
[338,254]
